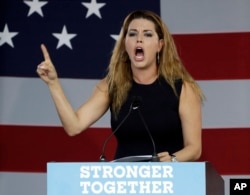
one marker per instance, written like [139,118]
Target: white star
[64,38]
[6,36]
[35,6]
[93,8]
[115,37]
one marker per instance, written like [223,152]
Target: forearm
[64,109]
[188,153]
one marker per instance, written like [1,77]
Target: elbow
[72,131]
[71,134]
[197,154]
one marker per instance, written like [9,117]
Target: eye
[148,34]
[131,34]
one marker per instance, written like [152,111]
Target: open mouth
[139,53]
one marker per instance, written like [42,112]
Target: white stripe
[26,101]
[23,183]
[227,103]
[35,183]
[206,16]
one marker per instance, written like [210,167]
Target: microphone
[136,106]
[102,157]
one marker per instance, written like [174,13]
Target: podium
[176,178]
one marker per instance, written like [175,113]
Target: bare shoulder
[188,89]
[99,100]
[190,104]
[102,86]
[188,92]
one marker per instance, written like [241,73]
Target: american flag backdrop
[213,40]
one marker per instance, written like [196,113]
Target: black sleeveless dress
[159,107]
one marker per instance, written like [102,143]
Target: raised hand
[46,69]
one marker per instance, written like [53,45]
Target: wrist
[173,158]
[55,83]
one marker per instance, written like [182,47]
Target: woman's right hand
[46,69]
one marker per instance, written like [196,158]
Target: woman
[146,73]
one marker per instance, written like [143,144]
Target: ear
[161,43]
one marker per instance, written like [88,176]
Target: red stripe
[215,56]
[227,150]
[28,149]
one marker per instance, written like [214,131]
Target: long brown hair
[119,77]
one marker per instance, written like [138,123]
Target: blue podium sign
[136,178]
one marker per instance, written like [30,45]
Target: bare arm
[190,114]
[73,122]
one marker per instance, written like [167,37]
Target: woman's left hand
[164,157]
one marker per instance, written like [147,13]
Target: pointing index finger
[45,53]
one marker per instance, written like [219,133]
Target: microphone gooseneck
[102,157]
[136,106]
[155,158]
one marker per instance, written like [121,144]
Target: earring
[158,58]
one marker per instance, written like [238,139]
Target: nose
[139,39]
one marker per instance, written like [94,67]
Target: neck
[145,78]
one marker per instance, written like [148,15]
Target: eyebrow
[143,30]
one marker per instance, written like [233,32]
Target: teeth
[139,49]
